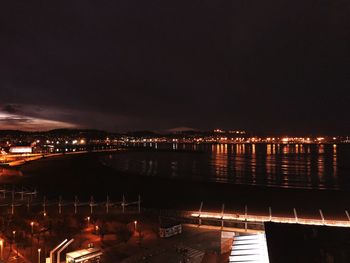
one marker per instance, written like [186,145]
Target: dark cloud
[10,108]
[15,121]
[261,65]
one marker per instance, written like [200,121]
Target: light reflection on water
[305,166]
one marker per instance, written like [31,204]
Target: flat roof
[304,243]
[83,252]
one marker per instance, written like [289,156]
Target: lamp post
[32,234]
[135,225]
[88,219]
[2,249]
[14,237]
[14,240]
[39,250]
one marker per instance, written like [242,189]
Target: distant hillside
[90,133]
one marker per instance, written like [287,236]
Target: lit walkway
[276,219]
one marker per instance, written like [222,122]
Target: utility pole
[199,214]
[76,201]
[123,204]
[295,215]
[60,205]
[222,215]
[245,218]
[44,205]
[107,204]
[139,204]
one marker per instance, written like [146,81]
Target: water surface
[292,166]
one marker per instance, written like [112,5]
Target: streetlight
[135,224]
[2,248]
[14,239]
[32,225]
[88,219]
[31,248]
[39,250]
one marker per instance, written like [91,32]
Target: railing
[29,201]
[276,219]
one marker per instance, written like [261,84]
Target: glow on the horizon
[21,122]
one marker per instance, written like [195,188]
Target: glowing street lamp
[88,219]
[39,250]
[32,226]
[1,249]
[135,225]
[14,239]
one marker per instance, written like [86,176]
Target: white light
[250,248]
[19,149]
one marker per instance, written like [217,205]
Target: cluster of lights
[225,139]
[57,142]
[229,131]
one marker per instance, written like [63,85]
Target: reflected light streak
[335,160]
[268,149]
[253,148]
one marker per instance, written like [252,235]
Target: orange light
[285,139]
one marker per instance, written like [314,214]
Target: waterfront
[88,175]
[170,185]
[318,166]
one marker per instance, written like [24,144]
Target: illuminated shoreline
[20,160]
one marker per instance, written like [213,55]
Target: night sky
[272,66]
